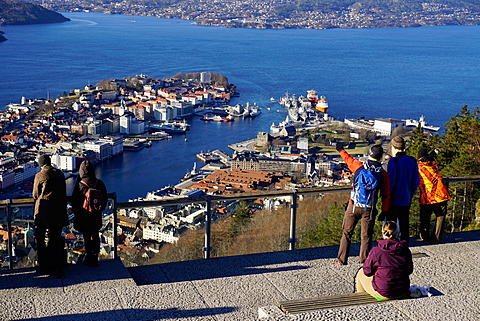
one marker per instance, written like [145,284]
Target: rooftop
[239,287]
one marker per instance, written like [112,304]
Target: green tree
[328,231]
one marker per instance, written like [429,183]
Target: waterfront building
[7,179]
[26,172]
[102,149]
[116,142]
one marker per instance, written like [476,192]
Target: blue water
[398,73]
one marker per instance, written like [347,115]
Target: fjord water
[398,73]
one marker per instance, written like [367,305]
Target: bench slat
[304,305]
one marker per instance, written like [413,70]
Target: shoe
[338,263]
[91,261]
[42,271]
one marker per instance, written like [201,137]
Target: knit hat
[376,152]
[44,160]
[422,153]
[398,142]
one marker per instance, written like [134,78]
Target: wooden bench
[326,302]
[329,302]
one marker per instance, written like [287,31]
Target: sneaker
[337,263]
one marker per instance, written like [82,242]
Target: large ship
[171,127]
[306,110]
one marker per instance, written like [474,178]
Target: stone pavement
[244,287]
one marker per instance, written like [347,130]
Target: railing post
[9,230]
[208,221]
[115,236]
[293,220]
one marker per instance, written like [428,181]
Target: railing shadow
[139,314]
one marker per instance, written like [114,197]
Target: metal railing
[9,204]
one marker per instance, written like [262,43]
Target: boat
[225,119]
[171,127]
[273,100]
[421,122]
[255,111]
[132,144]
[236,111]
[206,117]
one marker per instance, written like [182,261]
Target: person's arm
[352,163]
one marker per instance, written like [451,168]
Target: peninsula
[13,12]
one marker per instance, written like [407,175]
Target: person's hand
[339,146]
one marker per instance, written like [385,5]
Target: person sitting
[385,273]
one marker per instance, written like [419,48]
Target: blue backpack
[365,186]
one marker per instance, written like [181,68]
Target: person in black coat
[89,223]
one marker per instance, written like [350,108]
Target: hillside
[280,14]
[14,12]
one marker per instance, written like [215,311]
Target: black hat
[44,160]
[422,153]
[376,152]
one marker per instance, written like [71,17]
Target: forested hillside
[14,12]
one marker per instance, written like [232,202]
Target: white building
[161,233]
[102,149]
[206,77]
[154,212]
[116,143]
[65,162]
[386,126]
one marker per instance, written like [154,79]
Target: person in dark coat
[89,223]
[385,273]
[50,216]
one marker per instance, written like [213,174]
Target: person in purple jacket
[385,273]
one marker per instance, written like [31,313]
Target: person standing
[362,211]
[434,197]
[404,180]
[385,273]
[89,221]
[50,216]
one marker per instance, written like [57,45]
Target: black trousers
[92,243]
[51,250]
[402,213]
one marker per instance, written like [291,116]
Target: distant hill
[14,12]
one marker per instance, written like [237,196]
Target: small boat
[273,100]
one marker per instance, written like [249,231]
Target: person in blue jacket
[404,181]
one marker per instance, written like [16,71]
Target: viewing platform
[245,287]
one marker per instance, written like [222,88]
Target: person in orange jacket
[365,214]
[434,197]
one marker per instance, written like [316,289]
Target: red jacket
[354,164]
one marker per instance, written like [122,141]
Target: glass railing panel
[160,234]
[319,219]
